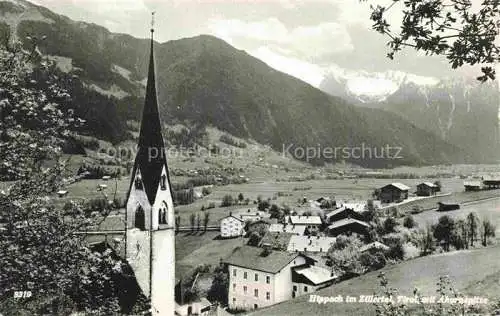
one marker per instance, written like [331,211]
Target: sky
[309,39]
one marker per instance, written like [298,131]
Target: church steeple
[150,217]
[150,158]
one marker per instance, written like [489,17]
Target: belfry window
[138,183]
[139,218]
[163,182]
[162,216]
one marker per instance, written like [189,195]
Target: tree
[192,221]
[220,285]
[389,225]
[452,28]
[444,230]
[409,222]
[472,223]
[275,212]
[427,242]
[177,223]
[206,219]
[263,205]
[227,200]
[241,197]
[40,249]
[488,230]
[198,222]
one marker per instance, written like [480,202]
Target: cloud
[307,42]
[297,68]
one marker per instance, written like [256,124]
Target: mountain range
[205,81]
[463,112]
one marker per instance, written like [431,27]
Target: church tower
[150,236]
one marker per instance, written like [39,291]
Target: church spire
[150,158]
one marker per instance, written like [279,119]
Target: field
[489,209]
[470,270]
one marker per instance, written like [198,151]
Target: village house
[448,206]
[348,226]
[232,226]
[310,222]
[260,277]
[276,240]
[491,182]
[250,215]
[308,279]
[287,228]
[394,192]
[427,189]
[343,213]
[472,186]
[201,307]
[310,244]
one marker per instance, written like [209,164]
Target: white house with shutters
[232,226]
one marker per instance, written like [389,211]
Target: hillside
[422,273]
[205,80]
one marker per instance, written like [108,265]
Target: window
[244,275]
[138,183]
[295,288]
[256,293]
[268,296]
[163,182]
[245,289]
[255,306]
[305,289]
[268,279]
[256,277]
[234,300]
[234,272]
[234,286]
[139,218]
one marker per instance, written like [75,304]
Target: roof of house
[347,221]
[398,185]
[315,274]
[354,207]
[229,216]
[472,183]
[277,240]
[287,228]
[305,219]
[373,245]
[429,184]
[251,258]
[312,243]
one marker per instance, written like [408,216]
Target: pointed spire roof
[151,157]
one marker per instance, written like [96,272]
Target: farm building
[448,206]
[348,226]
[491,182]
[310,243]
[309,221]
[343,213]
[427,189]
[231,226]
[394,192]
[308,279]
[287,228]
[472,186]
[259,277]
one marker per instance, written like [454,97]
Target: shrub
[409,222]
